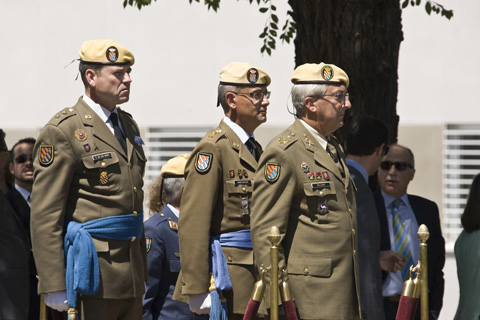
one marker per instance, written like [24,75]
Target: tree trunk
[361,37]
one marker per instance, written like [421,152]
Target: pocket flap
[309,264]
[238,255]
[101,245]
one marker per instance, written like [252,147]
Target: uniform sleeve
[48,205]
[155,262]
[271,204]
[201,190]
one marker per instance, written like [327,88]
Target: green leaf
[274,26]
[273,7]
[274,18]
[428,7]
[263,10]
[269,51]
[273,32]
[404,4]
[418,2]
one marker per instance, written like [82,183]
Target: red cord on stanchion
[255,300]
[287,299]
[407,307]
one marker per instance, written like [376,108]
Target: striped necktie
[402,245]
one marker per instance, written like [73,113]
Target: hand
[57,300]
[391,261]
[200,303]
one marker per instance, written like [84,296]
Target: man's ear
[230,97]
[91,77]
[310,104]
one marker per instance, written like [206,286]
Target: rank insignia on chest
[138,141]
[148,242]
[203,162]
[80,135]
[272,172]
[103,177]
[231,173]
[86,147]
[45,155]
[173,225]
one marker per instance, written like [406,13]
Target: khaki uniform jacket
[212,205]
[89,177]
[317,222]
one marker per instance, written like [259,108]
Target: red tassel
[289,310]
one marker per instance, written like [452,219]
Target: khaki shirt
[300,190]
[89,177]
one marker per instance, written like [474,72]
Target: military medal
[311,175]
[240,173]
[103,177]
[148,242]
[86,147]
[231,173]
[80,135]
[326,175]
[245,211]
[305,167]
[245,173]
[318,175]
[322,208]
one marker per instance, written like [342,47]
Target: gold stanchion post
[274,238]
[423,234]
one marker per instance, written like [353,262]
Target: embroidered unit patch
[272,172]
[45,155]
[203,162]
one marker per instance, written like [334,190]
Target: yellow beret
[106,52]
[175,166]
[243,74]
[319,73]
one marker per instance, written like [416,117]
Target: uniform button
[229,259]
[104,164]
[134,189]
[244,190]
[306,271]
[135,213]
[354,252]
[349,210]
[322,193]
[133,239]
[353,231]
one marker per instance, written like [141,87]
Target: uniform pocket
[239,187]
[238,255]
[102,173]
[309,265]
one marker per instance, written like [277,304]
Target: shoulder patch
[148,242]
[203,162]
[272,172]
[173,225]
[45,155]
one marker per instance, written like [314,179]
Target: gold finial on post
[423,234]
[274,238]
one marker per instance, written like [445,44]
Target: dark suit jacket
[163,259]
[426,212]
[22,209]
[368,226]
[14,289]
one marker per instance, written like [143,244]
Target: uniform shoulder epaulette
[215,134]
[62,115]
[285,139]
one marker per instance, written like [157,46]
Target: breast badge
[45,155]
[80,135]
[322,208]
[148,242]
[272,172]
[103,177]
[173,225]
[203,162]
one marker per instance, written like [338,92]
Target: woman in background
[467,254]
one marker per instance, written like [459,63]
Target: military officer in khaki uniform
[87,196]
[303,187]
[218,192]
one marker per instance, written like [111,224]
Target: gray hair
[222,91]
[173,188]
[301,91]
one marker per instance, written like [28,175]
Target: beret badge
[327,72]
[112,54]
[252,75]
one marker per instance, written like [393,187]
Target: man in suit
[87,195]
[365,143]
[404,213]
[14,271]
[304,188]
[219,183]
[21,167]
[161,234]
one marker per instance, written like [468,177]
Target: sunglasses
[23,158]
[400,166]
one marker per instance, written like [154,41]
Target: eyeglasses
[256,95]
[340,97]
[400,166]
[23,158]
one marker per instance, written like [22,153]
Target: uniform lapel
[237,144]
[129,133]
[98,127]
[322,158]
